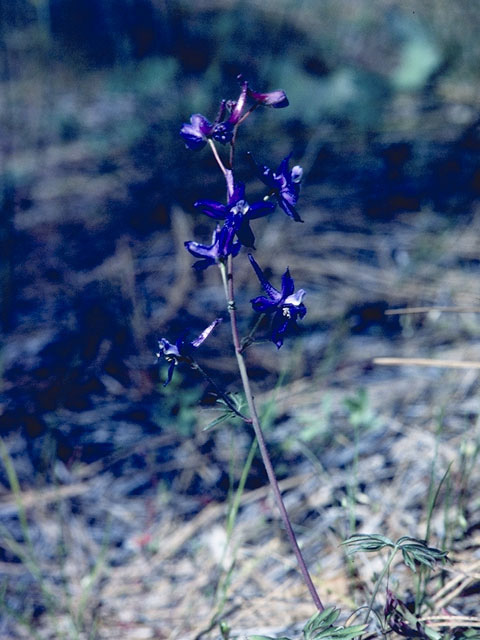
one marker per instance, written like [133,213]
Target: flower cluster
[233,219]
[200,130]
[233,230]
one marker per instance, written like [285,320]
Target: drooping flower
[285,305]
[181,351]
[276,99]
[223,245]
[238,213]
[284,184]
[197,133]
[397,622]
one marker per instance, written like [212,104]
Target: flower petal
[212,208]
[272,293]
[205,333]
[285,202]
[295,299]
[283,169]
[195,134]
[237,110]
[245,234]
[191,138]
[237,194]
[201,265]
[296,173]
[260,209]
[170,371]
[288,286]
[201,123]
[200,250]
[166,348]
[276,99]
[263,172]
[280,324]
[263,305]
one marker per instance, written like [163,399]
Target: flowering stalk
[227,278]
[284,306]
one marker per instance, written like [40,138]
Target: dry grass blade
[408,310]
[452,621]
[455,586]
[427,362]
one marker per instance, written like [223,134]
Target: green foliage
[237,401]
[360,413]
[367,542]
[321,626]
[413,550]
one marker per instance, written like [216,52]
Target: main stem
[227,278]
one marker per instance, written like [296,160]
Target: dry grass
[164,586]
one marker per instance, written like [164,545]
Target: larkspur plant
[284,306]
[232,232]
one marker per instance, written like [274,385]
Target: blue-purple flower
[200,130]
[223,245]
[284,184]
[397,622]
[276,99]
[285,305]
[181,351]
[237,213]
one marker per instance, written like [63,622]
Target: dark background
[97,188]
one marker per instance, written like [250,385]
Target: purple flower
[197,133]
[200,130]
[397,622]
[181,350]
[285,304]
[222,246]
[283,184]
[238,213]
[276,99]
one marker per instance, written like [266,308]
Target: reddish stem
[227,277]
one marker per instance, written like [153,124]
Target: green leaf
[367,542]
[431,633]
[414,550]
[321,627]
[320,619]
[470,634]
[217,421]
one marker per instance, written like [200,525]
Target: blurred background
[96,197]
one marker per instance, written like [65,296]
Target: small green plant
[361,417]
[321,626]
[415,553]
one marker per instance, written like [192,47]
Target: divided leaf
[321,626]
[367,542]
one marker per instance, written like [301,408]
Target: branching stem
[220,393]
